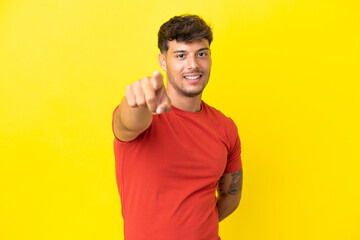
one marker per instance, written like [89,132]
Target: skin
[229,193]
[187,66]
[186,59]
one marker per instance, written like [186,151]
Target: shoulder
[224,124]
[217,115]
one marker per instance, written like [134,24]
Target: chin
[191,93]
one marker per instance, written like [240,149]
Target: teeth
[192,78]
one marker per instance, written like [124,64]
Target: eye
[180,56]
[202,54]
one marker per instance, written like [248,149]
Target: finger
[139,95]
[165,104]
[150,96]
[157,80]
[130,97]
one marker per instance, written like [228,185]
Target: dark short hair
[183,28]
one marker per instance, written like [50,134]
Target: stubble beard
[183,91]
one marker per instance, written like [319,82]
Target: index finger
[157,80]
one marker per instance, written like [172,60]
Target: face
[188,66]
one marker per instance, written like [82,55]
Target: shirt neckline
[186,113]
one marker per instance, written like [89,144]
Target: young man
[172,150]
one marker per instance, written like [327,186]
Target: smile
[192,77]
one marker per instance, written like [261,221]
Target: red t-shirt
[167,177]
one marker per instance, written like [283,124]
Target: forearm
[134,118]
[226,204]
[131,121]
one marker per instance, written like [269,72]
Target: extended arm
[229,193]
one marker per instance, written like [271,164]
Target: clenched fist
[149,92]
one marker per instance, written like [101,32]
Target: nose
[192,62]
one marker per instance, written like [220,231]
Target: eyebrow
[183,51]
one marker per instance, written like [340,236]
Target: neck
[189,104]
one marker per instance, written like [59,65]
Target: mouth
[193,78]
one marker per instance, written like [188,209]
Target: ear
[162,61]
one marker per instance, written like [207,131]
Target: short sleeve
[234,155]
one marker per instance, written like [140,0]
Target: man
[172,150]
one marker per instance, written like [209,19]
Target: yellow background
[286,71]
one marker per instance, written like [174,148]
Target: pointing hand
[149,92]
